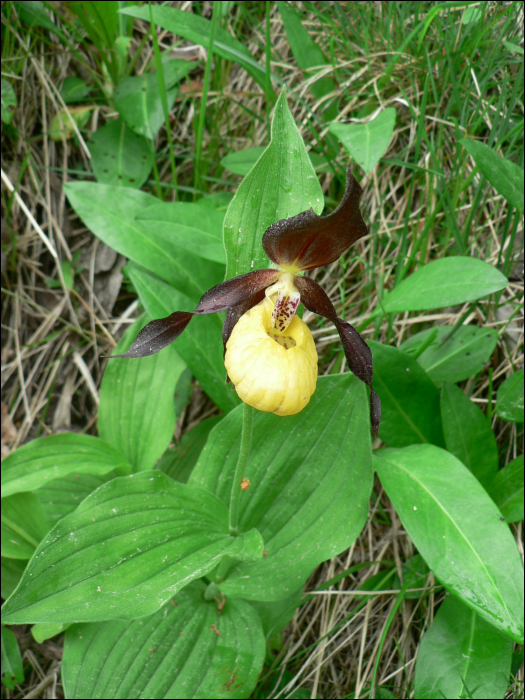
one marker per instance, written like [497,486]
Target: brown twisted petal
[233,292]
[357,352]
[163,331]
[307,240]
[157,335]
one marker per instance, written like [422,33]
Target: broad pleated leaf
[24,523]
[462,656]
[12,570]
[453,358]
[185,650]
[12,667]
[196,227]
[112,215]
[509,403]
[506,489]
[283,183]
[136,413]
[125,551]
[367,143]
[276,614]
[138,99]
[178,462]
[197,30]
[34,464]
[310,480]
[241,162]
[119,156]
[200,346]
[468,434]
[60,497]
[409,399]
[466,544]
[444,282]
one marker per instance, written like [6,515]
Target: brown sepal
[157,335]
[357,352]
[308,240]
[233,292]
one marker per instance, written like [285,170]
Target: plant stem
[244,454]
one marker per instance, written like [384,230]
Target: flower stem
[244,454]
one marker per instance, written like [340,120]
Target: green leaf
[454,358]
[462,656]
[276,614]
[241,162]
[183,391]
[505,176]
[12,667]
[308,55]
[506,490]
[184,650]
[138,99]
[468,434]
[7,101]
[24,523]
[197,30]
[44,631]
[60,497]
[74,90]
[137,411]
[444,282]
[509,400]
[195,227]
[12,570]
[200,346]
[417,568]
[465,543]
[110,212]
[63,123]
[119,156]
[34,464]
[409,399]
[282,183]
[513,48]
[129,547]
[310,477]
[178,462]
[367,143]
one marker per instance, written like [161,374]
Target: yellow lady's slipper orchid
[272,371]
[270,354]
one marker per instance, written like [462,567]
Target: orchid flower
[270,354]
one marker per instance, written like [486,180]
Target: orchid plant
[172,584]
[270,355]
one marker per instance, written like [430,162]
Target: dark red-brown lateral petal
[158,334]
[233,292]
[308,240]
[357,352]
